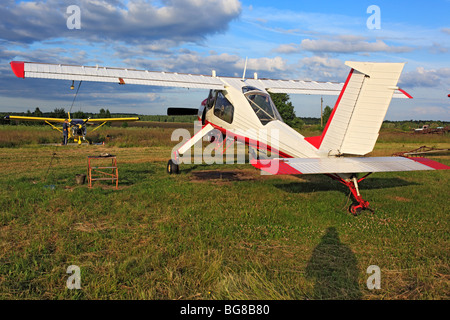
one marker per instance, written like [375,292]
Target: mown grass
[199,235]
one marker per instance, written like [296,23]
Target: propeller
[182,111]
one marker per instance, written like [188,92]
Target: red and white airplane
[242,108]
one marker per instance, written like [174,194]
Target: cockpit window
[223,108]
[263,106]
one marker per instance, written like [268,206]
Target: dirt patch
[401,199]
[225,176]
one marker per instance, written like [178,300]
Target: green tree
[37,113]
[79,115]
[286,110]
[105,114]
[59,113]
[326,114]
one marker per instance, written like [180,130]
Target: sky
[309,40]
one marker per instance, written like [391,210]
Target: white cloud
[349,46]
[432,111]
[135,21]
[446,30]
[422,77]
[321,68]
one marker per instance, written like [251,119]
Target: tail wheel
[172,167]
[355,209]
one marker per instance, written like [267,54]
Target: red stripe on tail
[317,140]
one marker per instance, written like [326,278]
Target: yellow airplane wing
[111,119]
[23,118]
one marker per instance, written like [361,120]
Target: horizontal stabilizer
[346,165]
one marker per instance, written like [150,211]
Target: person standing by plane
[65,131]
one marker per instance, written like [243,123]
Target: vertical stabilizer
[360,109]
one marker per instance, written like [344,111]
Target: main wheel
[172,167]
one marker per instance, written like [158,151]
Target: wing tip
[18,67]
[430,163]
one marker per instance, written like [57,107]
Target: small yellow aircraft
[71,128]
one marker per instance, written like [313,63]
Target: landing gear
[355,209]
[172,167]
[352,183]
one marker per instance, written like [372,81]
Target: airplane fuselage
[248,114]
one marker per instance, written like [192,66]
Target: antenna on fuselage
[245,69]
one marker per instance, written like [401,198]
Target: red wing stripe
[18,67]
[274,166]
[431,163]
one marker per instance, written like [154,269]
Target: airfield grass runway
[213,231]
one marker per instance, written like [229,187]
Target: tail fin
[360,109]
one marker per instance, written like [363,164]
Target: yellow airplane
[72,128]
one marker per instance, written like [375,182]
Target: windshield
[263,106]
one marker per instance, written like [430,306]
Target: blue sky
[282,39]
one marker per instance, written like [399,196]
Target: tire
[172,167]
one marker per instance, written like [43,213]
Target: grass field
[213,232]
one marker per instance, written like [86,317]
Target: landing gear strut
[352,184]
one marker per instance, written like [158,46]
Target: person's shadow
[334,269]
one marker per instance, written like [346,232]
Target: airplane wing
[346,165]
[24,118]
[314,87]
[113,75]
[111,119]
[171,79]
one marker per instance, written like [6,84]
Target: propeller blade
[182,111]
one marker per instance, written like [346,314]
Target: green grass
[196,235]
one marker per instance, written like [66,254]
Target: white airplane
[241,109]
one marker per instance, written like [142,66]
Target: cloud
[135,21]
[446,30]
[321,68]
[287,48]
[432,111]
[349,45]
[225,64]
[426,78]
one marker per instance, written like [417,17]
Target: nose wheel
[172,167]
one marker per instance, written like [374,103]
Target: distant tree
[286,110]
[59,113]
[79,115]
[326,114]
[105,114]
[37,113]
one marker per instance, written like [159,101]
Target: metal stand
[96,172]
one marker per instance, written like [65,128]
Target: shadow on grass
[334,269]
[311,183]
